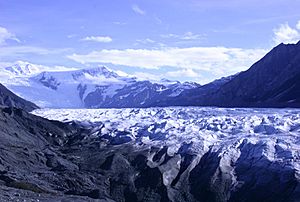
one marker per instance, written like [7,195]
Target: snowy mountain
[192,96]
[22,69]
[92,87]
[26,69]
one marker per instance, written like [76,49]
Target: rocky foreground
[44,160]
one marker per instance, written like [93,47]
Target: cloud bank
[138,10]
[185,36]
[101,39]
[6,35]
[216,60]
[286,34]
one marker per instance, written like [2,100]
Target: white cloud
[216,60]
[41,68]
[5,76]
[147,76]
[286,34]
[5,35]
[5,64]
[183,73]
[70,36]
[149,42]
[191,36]
[145,41]
[185,36]
[298,25]
[23,50]
[138,10]
[101,39]
[179,75]
[19,50]
[121,73]
[119,23]
[158,20]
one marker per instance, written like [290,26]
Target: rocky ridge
[7,98]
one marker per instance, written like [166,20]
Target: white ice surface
[271,133]
[204,126]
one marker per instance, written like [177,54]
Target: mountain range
[273,81]
[157,154]
[86,88]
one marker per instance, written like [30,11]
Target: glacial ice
[247,148]
[204,127]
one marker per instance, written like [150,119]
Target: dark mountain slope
[288,92]
[273,81]
[194,96]
[7,98]
[29,156]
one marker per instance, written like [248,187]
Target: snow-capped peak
[21,68]
[25,69]
[191,84]
[164,80]
[85,87]
[96,72]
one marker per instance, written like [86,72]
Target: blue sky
[198,40]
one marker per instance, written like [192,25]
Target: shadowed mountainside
[7,98]
[273,81]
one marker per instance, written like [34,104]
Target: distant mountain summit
[97,87]
[22,69]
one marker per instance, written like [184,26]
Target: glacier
[241,148]
[188,123]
